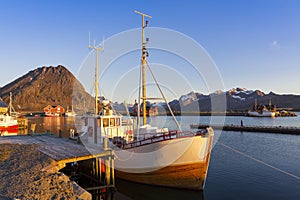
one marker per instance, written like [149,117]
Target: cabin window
[105,122]
[112,122]
[117,121]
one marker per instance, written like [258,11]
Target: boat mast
[11,108]
[144,65]
[96,74]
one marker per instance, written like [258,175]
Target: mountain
[58,86]
[47,86]
[237,99]
[243,99]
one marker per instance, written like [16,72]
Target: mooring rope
[259,161]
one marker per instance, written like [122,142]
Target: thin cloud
[275,45]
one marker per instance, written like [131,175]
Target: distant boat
[262,110]
[70,113]
[262,113]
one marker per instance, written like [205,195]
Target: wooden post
[112,169]
[100,169]
[105,143]
[97,168]
[107,171]
[95,131]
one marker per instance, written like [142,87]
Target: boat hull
[8,125]
[11,127]
[186,176]
[261,114]
[181,163]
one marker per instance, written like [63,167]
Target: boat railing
[170,135]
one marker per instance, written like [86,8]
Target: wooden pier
[263,129]
[98,164]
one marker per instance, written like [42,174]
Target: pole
[144,66]
[96,74]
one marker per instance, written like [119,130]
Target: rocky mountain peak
[45,86]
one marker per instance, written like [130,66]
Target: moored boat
[262,110]
[70,114]
[262,113]
[147,154]
[8,123]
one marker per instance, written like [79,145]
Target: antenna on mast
[96,73]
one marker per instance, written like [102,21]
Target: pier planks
[61,150]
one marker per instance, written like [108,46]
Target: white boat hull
[172,159]
[180,162]
[264,113]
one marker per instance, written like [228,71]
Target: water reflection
[146,192]
[59,126]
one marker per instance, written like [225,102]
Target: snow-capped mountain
[241,94]
[237,99]
[188,98]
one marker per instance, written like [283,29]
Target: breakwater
[264,129]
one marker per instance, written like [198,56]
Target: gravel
[22,177]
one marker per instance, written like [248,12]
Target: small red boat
[8,124]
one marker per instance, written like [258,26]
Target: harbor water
[244,165]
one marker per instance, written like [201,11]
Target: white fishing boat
[151,155]
[262,110]
[262,113]
[70,113]
[8,124]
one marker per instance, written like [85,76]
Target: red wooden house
[54,110]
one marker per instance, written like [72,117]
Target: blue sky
[254,43]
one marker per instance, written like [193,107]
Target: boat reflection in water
[134,190]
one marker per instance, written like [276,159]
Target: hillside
[46,86]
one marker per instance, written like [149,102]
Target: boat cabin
[109,126]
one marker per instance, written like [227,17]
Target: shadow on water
[146,192]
